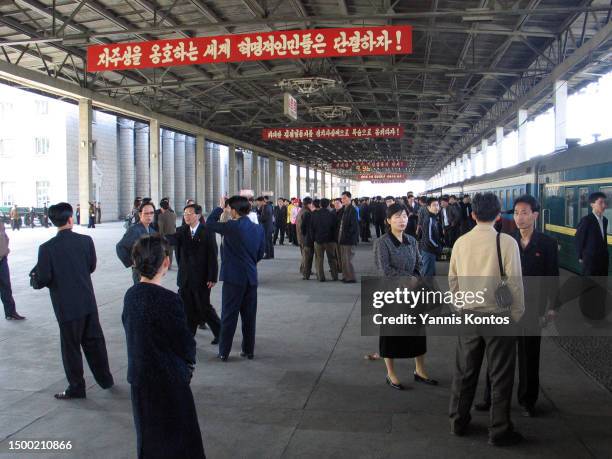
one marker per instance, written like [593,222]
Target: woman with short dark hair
[161,359]
[396,254]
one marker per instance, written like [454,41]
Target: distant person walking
[6,293]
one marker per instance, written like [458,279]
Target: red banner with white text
[361,166]
[287,44]
[363,132]
[386,177]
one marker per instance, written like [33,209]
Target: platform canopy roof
[474,63]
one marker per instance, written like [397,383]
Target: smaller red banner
[388,177]
[365,132]
[367,166]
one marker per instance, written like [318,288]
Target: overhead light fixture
[75,40]
[307,85]
[330,112]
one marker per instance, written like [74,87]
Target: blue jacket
[243,246]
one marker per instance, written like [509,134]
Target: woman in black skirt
[396,254]
[161,359]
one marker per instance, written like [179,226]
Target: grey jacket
[394,259]
[4,242]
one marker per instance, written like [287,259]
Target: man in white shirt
[474,260]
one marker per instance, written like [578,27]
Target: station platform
[308,393]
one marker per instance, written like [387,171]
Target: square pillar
[308,181]
[560,89]
[200,170]
[231,174]
[521,122]
[255,174]
[298,194]
[272,177]
[484,146]
[499,145]
[85,153]
[323,187]
[154,149]
[287,179]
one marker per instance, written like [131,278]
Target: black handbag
[503,295]
[34,281]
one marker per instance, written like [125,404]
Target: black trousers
[198,309]
[365,232]
[269,247]
[306,264]
[84,333]
[92,222]
[528,353]
[501,356]
[238,299]
[379,227]
[6,292]
[280,230]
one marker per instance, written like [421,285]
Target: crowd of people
[411,234]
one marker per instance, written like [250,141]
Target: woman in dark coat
[396,254]
[161,359]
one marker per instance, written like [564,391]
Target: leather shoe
[14,316]
[431,382]
[67,396]
[529,412]
[507,439]
[215,341]
[393,385]
[248,356]
[482,406]
[223,358]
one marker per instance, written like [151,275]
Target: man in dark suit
[377,213]
[306,237]
[348,238]
[65,264]
[6,292]
[266,220]
[324,225]
[196,255]
[467,222]
[146,213]
[592,251]
[280,221]
[365,213]
[540,268]
[243,246]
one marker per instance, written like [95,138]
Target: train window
[570,205]
[508,204]
[608,212]
[522,191]
[583,205]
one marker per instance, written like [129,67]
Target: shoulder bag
[503,295]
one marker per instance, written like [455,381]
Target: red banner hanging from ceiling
[287,44]
[364,132]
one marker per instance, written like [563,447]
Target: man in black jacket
[431,241]
[65,264]
[348,238]
[196,255]
[324,224]
[280,221]
[592,250]
[146,213]
[378,212]
[365,215]
[266,220]
[306,232]
[538,259]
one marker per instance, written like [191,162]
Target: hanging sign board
[290,106]
[259,46]
[362,132]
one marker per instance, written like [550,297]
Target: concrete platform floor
[308,393]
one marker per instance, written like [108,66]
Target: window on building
[7,193]
[41,145]
[42,107]
[42,193]
[570,205]
[7,147]
[6,109]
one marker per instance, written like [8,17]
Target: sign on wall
[290,106]
[289,44]
[362,132]
[388,176]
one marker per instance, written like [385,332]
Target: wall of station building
[39,148]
